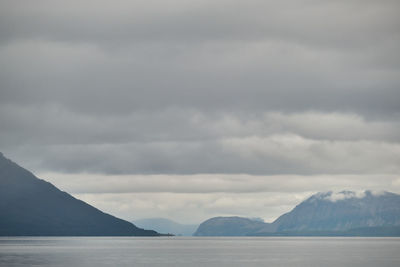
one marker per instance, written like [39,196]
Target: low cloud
[217,183]
[194,198]
[337,196]
[194,208]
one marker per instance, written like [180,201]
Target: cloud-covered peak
[333,196]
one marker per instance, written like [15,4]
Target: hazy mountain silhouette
[30,206]
[229,226]
[343,213]
[163,225]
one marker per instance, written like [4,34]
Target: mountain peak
[3,158]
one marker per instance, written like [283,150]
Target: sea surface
[199,251]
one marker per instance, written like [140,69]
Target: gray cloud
[227,76]
[277,154]
[292,55]
[179,141]
[311,22]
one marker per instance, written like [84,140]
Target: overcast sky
[189,109]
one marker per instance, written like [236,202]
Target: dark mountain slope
[31,206]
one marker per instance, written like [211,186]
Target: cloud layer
[178,141]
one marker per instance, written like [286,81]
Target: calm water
[194,251]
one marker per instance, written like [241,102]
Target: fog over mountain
[193,109]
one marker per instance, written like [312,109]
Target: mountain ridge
[30,206]
[326,213]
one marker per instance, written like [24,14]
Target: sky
[190,109]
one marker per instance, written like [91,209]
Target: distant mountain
[163,225]
[229,226]
[31,207]
[343,213]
